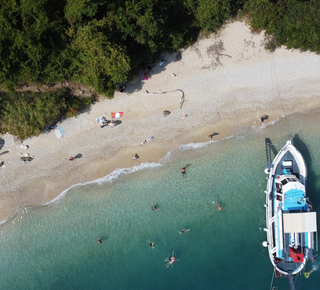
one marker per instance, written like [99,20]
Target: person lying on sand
[213,134]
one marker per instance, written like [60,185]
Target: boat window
[284,181]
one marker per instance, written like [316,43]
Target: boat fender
[267,171]
[310,206]
[265,244]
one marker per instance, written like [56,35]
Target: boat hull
[291,224]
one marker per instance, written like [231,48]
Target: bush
[28,114]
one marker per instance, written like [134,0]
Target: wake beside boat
[290,219]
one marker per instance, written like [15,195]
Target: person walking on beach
[71,158]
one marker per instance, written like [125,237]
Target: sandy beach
[222,83]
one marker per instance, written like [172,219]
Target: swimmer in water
[154,207]
[171,260]
[152,245]
[183,231]
[219,207]
[99,241]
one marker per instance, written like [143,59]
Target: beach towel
[116,115]
[59,132]
[101,119]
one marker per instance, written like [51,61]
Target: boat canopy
[300,222]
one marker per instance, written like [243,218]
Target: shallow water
[55,246]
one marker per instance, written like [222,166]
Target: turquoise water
[55,246]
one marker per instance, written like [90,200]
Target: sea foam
[108,178]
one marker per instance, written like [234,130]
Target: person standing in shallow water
[183,170]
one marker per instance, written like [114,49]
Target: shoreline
[221,98]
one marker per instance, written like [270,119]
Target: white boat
[290,219]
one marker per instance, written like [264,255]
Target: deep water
[55,246]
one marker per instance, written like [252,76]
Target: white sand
[224,89]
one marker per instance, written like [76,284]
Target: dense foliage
[293,23]
[101,43]
[97,42]
[28,114]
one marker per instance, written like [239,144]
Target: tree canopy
[101,43]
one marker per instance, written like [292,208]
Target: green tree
[99,62]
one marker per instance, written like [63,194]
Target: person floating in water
[171,260]
[183,170]
[152,245]
[219,207]
[99,241]
[154,207]
[183,231]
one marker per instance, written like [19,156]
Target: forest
[101,43]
